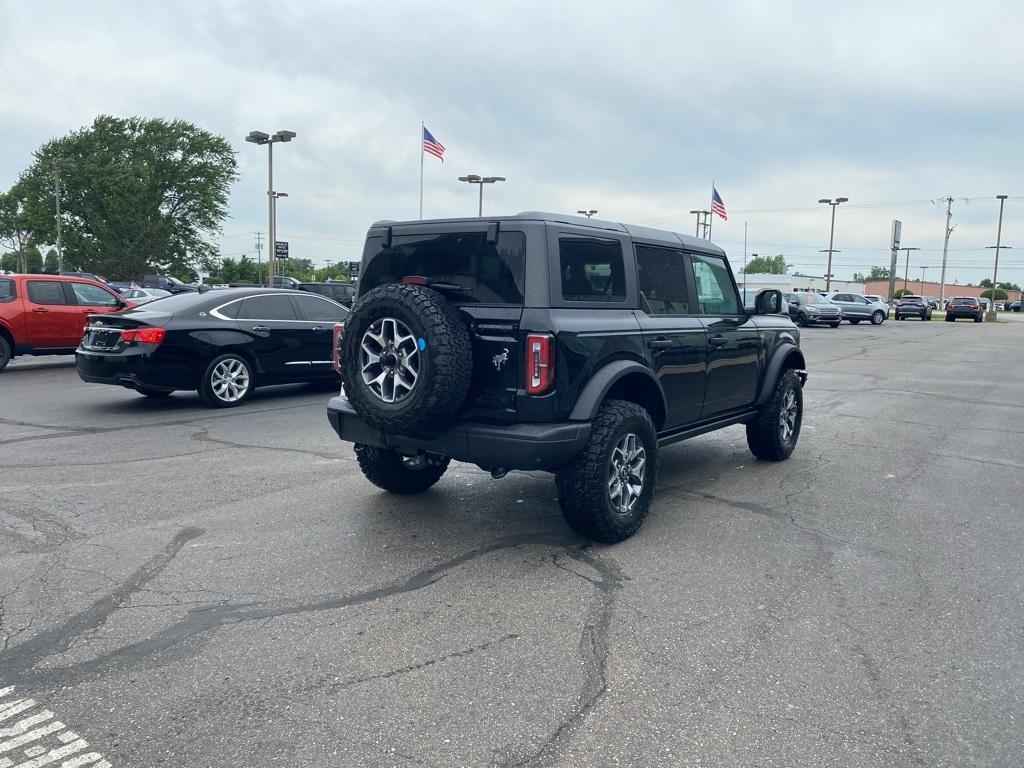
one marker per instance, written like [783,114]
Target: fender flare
[600,383]
[787,353]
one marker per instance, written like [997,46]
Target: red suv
[45,314]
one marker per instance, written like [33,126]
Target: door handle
[260,328]
[661,343]
[718,341]
[40,309]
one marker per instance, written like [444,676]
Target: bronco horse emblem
[500,360]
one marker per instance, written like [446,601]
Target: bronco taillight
[339,329]
[540,363]
[147,335]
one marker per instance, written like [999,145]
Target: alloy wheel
[787,416]
[230,380]
[389,359]
[626,471]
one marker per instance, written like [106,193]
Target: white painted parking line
[41,739]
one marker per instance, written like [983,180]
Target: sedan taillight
[339,329]
[540,363]
[146,335]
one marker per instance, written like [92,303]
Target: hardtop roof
[636,232]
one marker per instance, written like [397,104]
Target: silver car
[856,308]
[144,295]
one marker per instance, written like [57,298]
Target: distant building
[793,284]
[932,290]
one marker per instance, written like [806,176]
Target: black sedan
[222,344]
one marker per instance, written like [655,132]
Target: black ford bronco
[572,345]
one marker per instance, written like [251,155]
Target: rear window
[488,273]
[591,269]
[6,290]
[911,299]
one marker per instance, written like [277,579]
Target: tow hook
[498,472]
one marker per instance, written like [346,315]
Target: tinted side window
[7,290]
[320,310]
[92,295]
[715,292]
[46,292]
[230,310]
[591,269]
[662,279]
[266,308]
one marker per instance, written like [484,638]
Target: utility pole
[259,257]
[703,224]
[906,270]
[922,278]
[831,237]
[995,267]
[945,251]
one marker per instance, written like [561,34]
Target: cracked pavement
[222,588]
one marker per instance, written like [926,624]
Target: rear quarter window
[591,269]
[7,292]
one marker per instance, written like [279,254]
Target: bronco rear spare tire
[406,359]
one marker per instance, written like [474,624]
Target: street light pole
[259,137]
[831,235]
[481,180]
[922,278]
[995,267]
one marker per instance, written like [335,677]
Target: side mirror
[768,302]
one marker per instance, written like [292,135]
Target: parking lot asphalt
[183,586]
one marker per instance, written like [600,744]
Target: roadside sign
[281,249]
[353,268]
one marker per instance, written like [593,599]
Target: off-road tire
[583,487]
[445,359]
[877,317]
[764,436]
[386,469]
[206,392]
[156,394]
[5,352]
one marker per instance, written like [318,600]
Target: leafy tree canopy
[136,194]
[902,292]
[1000,293]
[766,265]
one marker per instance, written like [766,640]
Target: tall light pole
[481,180]
[828,276]
[56,165]
[831,235]
[259,137]
[922,278]
[995,267]
[589,214]
[906,270]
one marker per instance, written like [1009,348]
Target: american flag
[717,206]
[432,145]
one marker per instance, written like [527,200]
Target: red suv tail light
[540,363]
[147,335]
[339,329]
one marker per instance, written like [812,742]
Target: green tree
[1000,293]
[50,262]
[14,227]
[136,193]
[986,283]
[902,292]
[766,265]
[1009,286]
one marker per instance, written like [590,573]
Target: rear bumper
[133,370]
[513,446]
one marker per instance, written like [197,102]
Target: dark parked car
[813,308]
[1013,306]
[964,306]
[343,293]
[913,306]
[167,283]
[283,281]
[222,343]
[557,343]
[45,314]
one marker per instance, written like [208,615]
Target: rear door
[276,335]
[734,343]
[53,320]
[318,316]
[845,303]
[673,333]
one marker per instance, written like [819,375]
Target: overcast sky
[630,108]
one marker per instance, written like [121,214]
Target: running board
[703,427]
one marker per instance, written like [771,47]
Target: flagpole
[711,218]
[421,170]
